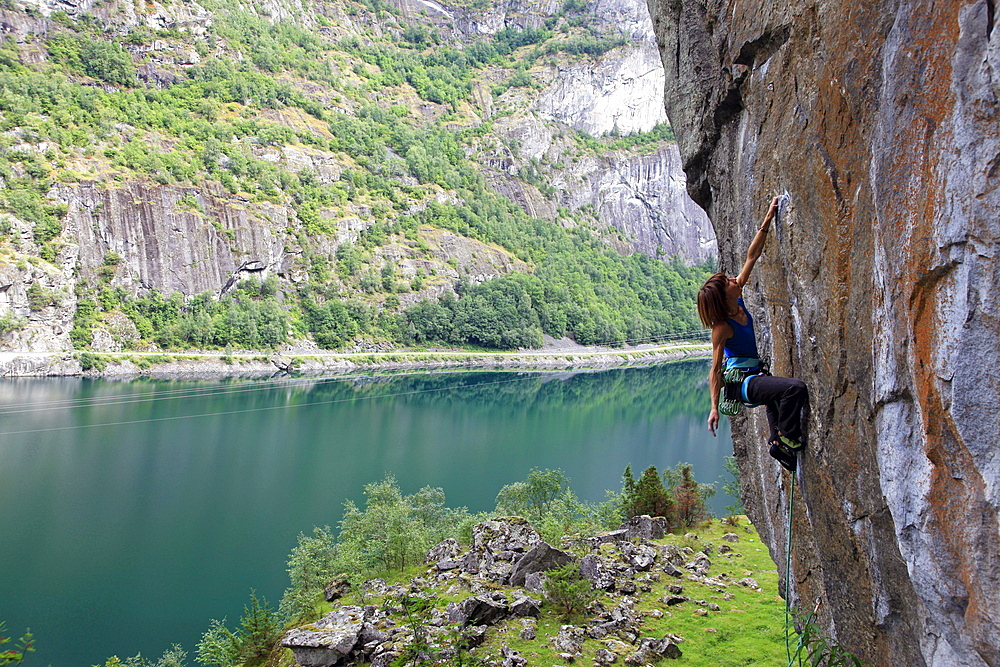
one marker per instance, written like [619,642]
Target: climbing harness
[736,379]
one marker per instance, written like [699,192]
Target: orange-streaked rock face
[878,288]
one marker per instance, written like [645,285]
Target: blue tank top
[743,343]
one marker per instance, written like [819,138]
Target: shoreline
[557,355]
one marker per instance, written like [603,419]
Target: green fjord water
[132,513]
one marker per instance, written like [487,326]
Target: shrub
[732,487]
[568,590]
[688,502]
[15,655]
[218,646]
[259,630]
[11,322]
[90,361]
[39,298]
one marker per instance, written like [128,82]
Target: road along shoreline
[206,365]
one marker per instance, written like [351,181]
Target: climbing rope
[788,600]
[788,574]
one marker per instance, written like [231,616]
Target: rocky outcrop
[880,120]
[379,634]
[642,195]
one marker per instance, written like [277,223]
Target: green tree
[689,504]
[647,496]
[311,566]
[534,496]
[393,530]
[546,499]
[218,646]
[259,629]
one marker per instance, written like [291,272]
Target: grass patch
[749,628]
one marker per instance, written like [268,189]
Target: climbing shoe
[794,445]
[784,455]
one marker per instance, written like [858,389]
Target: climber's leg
[784,398]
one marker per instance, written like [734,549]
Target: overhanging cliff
[880,119]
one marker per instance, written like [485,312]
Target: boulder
[569,640]
[653,650]
[535,582]
[646,527]
[600,575]
[449,549]
[699,564]
[731,537]
[496,544]
[669,568]
[479,610]
[329,640]
[505,534]
[540,558]
[337,589]
[523,606]
[529,629]
[639,556]
[604,657]
[511,658]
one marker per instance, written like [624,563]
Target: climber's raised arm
[757,245]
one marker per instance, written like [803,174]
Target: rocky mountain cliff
[880,120]
[200,237]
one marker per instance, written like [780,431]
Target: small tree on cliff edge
[689,501]
[646,496]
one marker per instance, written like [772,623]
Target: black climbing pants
[784,398]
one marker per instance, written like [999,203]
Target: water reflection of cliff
[667,386]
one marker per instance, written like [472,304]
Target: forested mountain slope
[222,175]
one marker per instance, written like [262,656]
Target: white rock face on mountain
[622,91]
[645,198]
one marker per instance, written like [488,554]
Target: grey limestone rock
[539,558]
[600,575]
[479,610]
[700,564]
[837,107]
[646,527]
[329,640]
[448,549]
[511,658]
[569,640]
[653,650]
[495,544]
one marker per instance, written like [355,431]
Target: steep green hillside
[361,140]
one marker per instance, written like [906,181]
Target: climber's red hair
[712,300]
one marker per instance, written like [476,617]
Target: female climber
[736,367]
